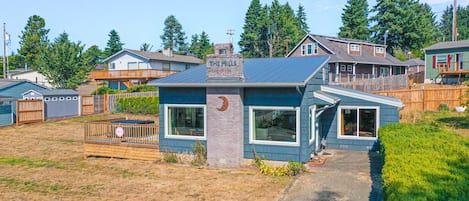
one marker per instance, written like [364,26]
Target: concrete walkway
[346,175]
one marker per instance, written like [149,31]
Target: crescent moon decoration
[224,106]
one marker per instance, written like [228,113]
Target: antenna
[230,33]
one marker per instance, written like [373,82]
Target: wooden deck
[137,141]
[130,74]
[443,69]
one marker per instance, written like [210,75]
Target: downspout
[298,90]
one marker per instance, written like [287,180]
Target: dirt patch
[45,162]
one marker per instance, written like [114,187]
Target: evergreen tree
[301,16]
[93,56]
[355,20]
[250,41]
[146,47]
[200,46]
[173,36]
[33,40]
[462,21]
[63,63]
[194,48]
[114,44]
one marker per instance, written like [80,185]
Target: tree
[93,56]
[301,17]
[250,38]
[355,20]
[114,44]
[173,36]
[33,40]
[462,21]
[63,63]
[146,47]
[200,46]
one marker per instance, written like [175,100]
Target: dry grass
[45,162]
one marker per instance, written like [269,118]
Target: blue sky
[141,21]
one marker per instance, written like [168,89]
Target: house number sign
[224,106]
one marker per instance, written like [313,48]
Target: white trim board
[362,96]
[184,137]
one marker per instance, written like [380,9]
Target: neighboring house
[350,57]
[128,67]
[6,110]
[447,62]
[57,102]
[32,76]
[16,88]
[282,108]
[415,66]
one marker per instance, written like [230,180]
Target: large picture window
[358,122]
[274,125]
[185,121]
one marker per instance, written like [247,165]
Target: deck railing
[130,74]
[116,133]
[453,68]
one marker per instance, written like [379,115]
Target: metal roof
[449,45]
[264,72]
[58,92]
[159,56]
[6,98]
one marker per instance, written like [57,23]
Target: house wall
[121,62]
[6,113]
[431,74]
[178,96]
[321,50]
[387,114]
[34,77]
[58,108]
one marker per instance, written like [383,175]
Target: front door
[384,71]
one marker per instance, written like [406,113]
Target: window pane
[349,122]
[188,121]
[133,65]
[166,66]
[310,49]
[275,125]
[315,48]
[367,123]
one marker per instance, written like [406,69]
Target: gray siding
[178,96]
[58,108]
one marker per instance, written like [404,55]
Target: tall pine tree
[250,42]
[355,20]
[114,44]
[462,21]
[173,36]
[301,17]
[33,40]
[200,45]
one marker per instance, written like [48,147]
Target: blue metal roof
[265,72]
[362,95]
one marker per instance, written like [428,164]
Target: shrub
[140,88]
[443,107]
[104,90]
[139,105]
[170,157]
[424,162]
[200,152]
[292,169]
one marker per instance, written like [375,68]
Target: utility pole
[455,29]
[230,33]
[4,53]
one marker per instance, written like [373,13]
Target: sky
[142,21]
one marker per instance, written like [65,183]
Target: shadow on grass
[456,122]
[376,166]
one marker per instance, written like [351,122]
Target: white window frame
[184,137]
[355,47]
[61,98]
[315,48]
[46,99]
[75,98]
[349,68]
[379,50]
[343,68]
[266,142]
[68,98]
[54,99]
[339,123]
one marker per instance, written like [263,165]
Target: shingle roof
[266,72]
[52,92]
[160,56]
[414,62]
[449,45]
[341,55]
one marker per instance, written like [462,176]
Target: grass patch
[424,161]
[31,186]
[65,141]
[29,162]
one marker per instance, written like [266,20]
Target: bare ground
[45,162]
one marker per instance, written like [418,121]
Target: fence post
[423,100]
[17,114]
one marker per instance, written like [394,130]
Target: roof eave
[231,84]
[395,103]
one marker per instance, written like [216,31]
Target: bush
[139,105]
[292,169]
[443,107]
[424,162]
[140,88]
[200,152]
[170,157]
[104,90]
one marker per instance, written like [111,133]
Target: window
[379,50]
[342,68]
[303,50]
[132,65]
[222,51]
[358,122]
[61,98]
[316,49]
[46,99]
[54,98]
[349,68]
[68,98]
[142,65]
[310,49]
[274,125]
[354,47]
[75,98]
[112,66]
[185,121]
[166,66]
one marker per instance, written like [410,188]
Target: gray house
[57,102]
[283,108]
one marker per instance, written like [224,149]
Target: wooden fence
[112,98]
[429,99]
[135,141]
[368,84]
[87,105]
[29,111]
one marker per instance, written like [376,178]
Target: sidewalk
[346,175]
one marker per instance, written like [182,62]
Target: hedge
[424,162]
[139,105]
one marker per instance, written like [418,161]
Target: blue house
[283,108]
[6,110]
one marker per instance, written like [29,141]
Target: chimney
[224,65]
[168,52]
